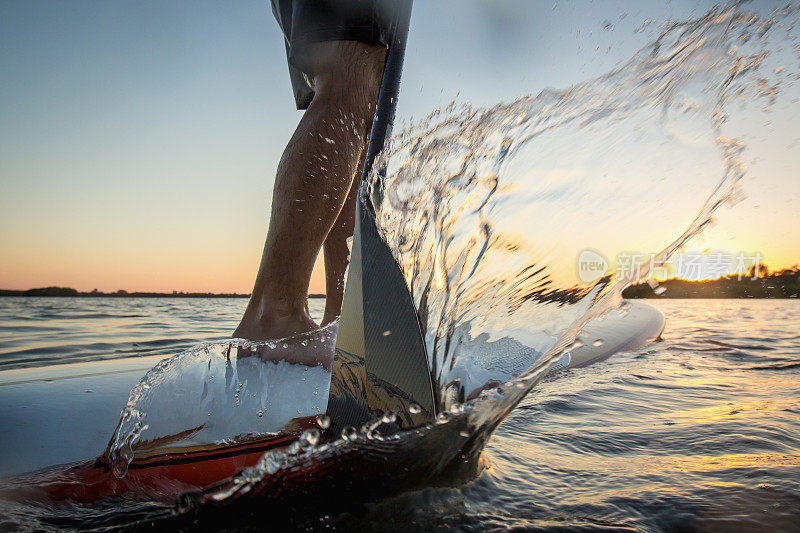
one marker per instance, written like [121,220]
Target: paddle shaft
[387,98]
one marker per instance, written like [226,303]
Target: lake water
[43,331]
[698,432]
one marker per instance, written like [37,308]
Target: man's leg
[337,253]
[313,180]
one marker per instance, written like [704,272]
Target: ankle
[268,309]
[264,321]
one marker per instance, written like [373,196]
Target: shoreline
[780,285]
[783,284]
[66,292]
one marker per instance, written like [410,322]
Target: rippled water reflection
[42,331]
[698,432]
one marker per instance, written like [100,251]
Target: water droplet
[260,414]
[311,436]
[388,418]
[285,345]
[298,411]
[387,333]
[520,384]
[598,342]
[324,421]
[414,409]
[88,390]
[464,433]
[349,433]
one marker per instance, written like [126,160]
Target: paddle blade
[380,362]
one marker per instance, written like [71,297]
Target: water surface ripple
[686,434]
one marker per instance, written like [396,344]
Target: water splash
[222,392]
[487,211]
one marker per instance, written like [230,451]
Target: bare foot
[287,333]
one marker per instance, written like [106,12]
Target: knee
[348,72]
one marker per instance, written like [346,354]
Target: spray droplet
[414,409]
[598,342]
[388,418]
[311,436]
[324,421]
[349,433]
[295,448]
[387,333]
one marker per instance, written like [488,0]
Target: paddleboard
[65,413]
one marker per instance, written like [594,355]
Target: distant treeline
[68,291]
[779,284]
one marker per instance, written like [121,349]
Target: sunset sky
[139,140]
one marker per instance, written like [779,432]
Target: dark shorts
[312,21]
